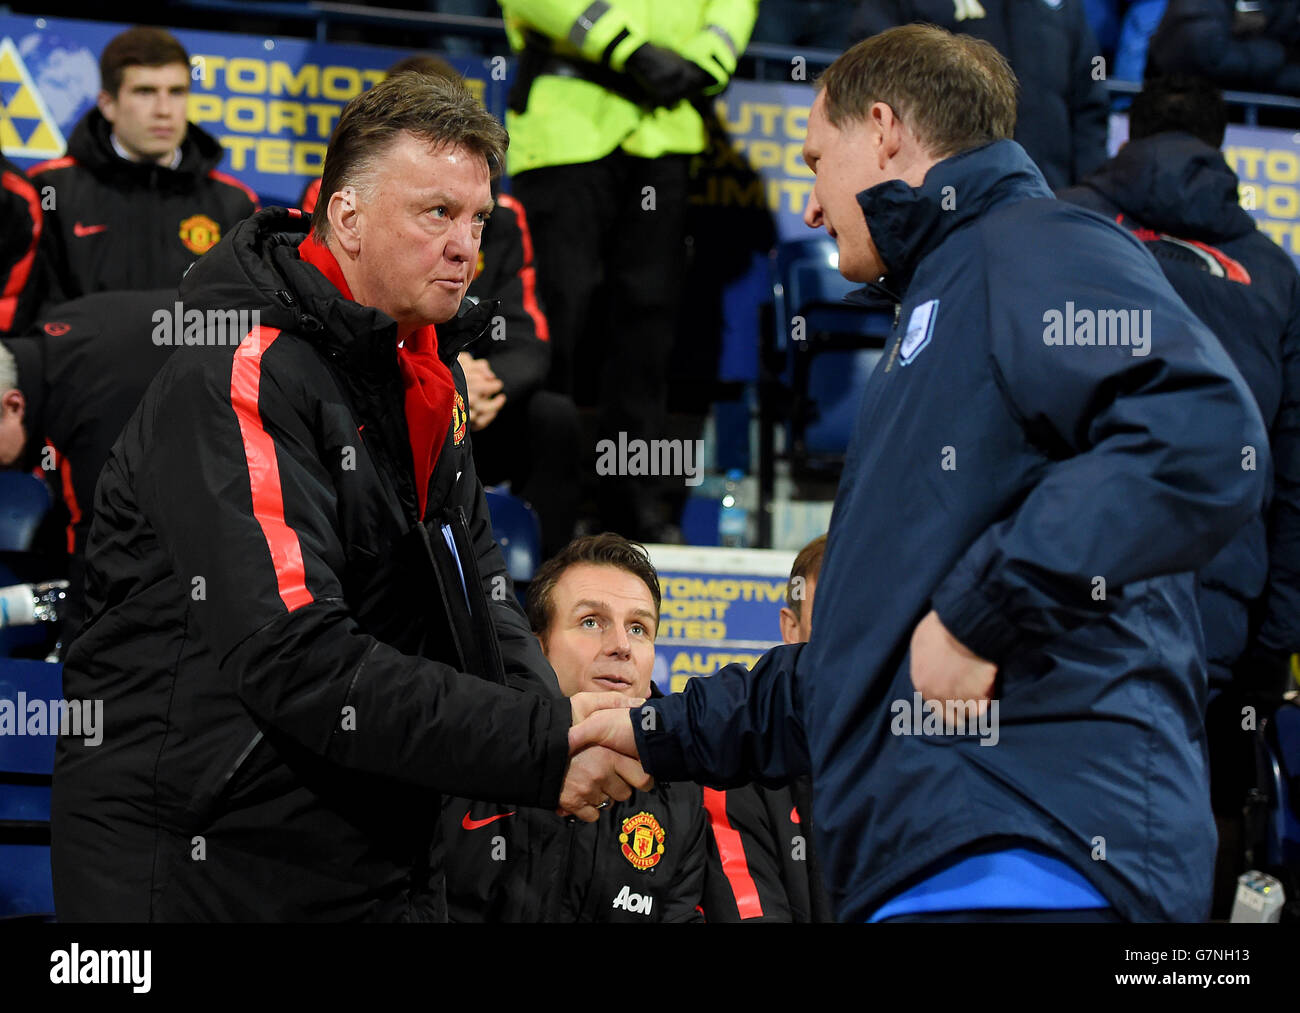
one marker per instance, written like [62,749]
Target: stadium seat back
[24,501]
[831,346]
[518,530]
[1283,739]
[26,771]
[807,283]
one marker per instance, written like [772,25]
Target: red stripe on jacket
[64,467]
[528,274]
[732,852]
[54,163]
[264,470]
[222,177]
[23,269]
[1235,270]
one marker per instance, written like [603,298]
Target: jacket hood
[1176,183]
[257,267]
[91,145]
[908,222]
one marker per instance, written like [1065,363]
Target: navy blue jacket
[1178,195]
[994,477]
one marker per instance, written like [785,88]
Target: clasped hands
[604,763]
[603,760]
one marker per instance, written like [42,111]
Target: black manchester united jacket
[293,664]
[114,224]
[643,860]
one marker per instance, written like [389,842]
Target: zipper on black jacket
[206,810]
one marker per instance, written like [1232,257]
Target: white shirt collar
[175,162]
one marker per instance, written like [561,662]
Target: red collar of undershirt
[319,256]
[426,379]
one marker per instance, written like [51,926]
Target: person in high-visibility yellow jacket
[602,123]
[570,117]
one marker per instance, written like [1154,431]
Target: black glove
[665,77]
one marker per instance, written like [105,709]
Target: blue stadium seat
[24,501]
[26,769]
[518,530]
[1283,743]
[820,352]
[807,283]
[828,359]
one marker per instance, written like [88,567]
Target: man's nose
[812,213]
[617,641]
[461,244]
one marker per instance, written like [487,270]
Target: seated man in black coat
[595,610]
[66,390]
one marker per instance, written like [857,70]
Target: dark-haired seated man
[595,610]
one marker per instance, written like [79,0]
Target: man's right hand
[596,775]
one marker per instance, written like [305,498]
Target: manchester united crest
[459,417]
[642,840]
[199,233]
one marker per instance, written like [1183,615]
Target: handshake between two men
[603,761]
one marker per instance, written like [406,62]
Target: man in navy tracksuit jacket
[1017,525]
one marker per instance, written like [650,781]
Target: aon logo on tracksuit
[633,903]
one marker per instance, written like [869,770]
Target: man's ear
[541,639]
[789,626]
[890,128]
[13,401]
[107,105]
[343,216]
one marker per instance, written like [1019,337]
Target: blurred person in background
[1251,46]
[1170,187]
[67,388]
[763,867]
[602,124]
[21,223]
[1062,108]
[138,197]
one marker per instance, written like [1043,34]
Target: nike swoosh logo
[86,230]
[470,824]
